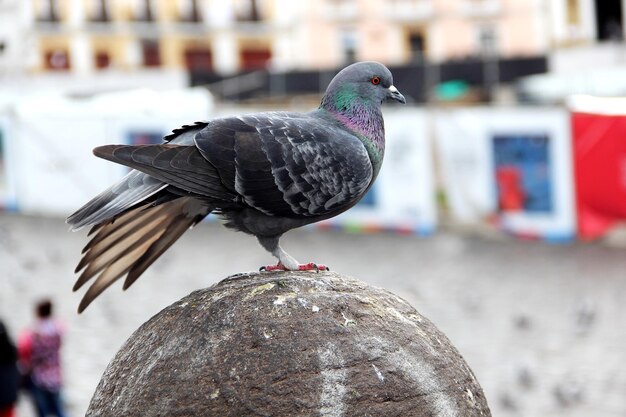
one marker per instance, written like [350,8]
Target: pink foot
[313,267]
[302,267]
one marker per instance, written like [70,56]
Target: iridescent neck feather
[362,116]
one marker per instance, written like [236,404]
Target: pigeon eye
[375,80]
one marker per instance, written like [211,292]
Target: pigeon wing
[180,166]
[282,164]
[288,164]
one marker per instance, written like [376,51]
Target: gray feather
[133,188]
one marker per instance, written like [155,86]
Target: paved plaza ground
[542,326]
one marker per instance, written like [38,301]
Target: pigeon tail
[129,243]
[134,188]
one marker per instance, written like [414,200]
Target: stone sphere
[289,344]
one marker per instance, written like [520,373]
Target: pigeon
[262,173]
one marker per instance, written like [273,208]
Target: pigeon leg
[285,261]
[301,267]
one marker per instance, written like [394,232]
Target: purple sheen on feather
[363,117]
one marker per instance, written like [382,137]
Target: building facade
[230,36]
[586,22]
[222,36]
[122,40]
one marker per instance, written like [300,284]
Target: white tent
[52,136]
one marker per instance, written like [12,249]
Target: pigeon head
[354,98]
[362,83]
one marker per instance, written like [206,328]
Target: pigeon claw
[269,268]
[311,266]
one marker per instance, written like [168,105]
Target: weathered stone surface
[288,344]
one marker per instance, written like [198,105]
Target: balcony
[410,10]
[341,10]
[190,14]
[480,8]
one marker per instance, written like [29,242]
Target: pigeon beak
[394,94]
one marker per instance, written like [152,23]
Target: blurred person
[40,359]
[9,375]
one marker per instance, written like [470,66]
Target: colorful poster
[144,137]
[511,167]
[522,172]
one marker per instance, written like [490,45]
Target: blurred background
[496,214]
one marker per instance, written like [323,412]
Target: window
[57,60]
[143,11]
[247,10]
[609,20]
[99,11]
[573,12]
[488,40]
[417,46]
[349,45]
[189,11]
[103,60]
[47,11]
[199,59]
[254,59]
[151,53]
